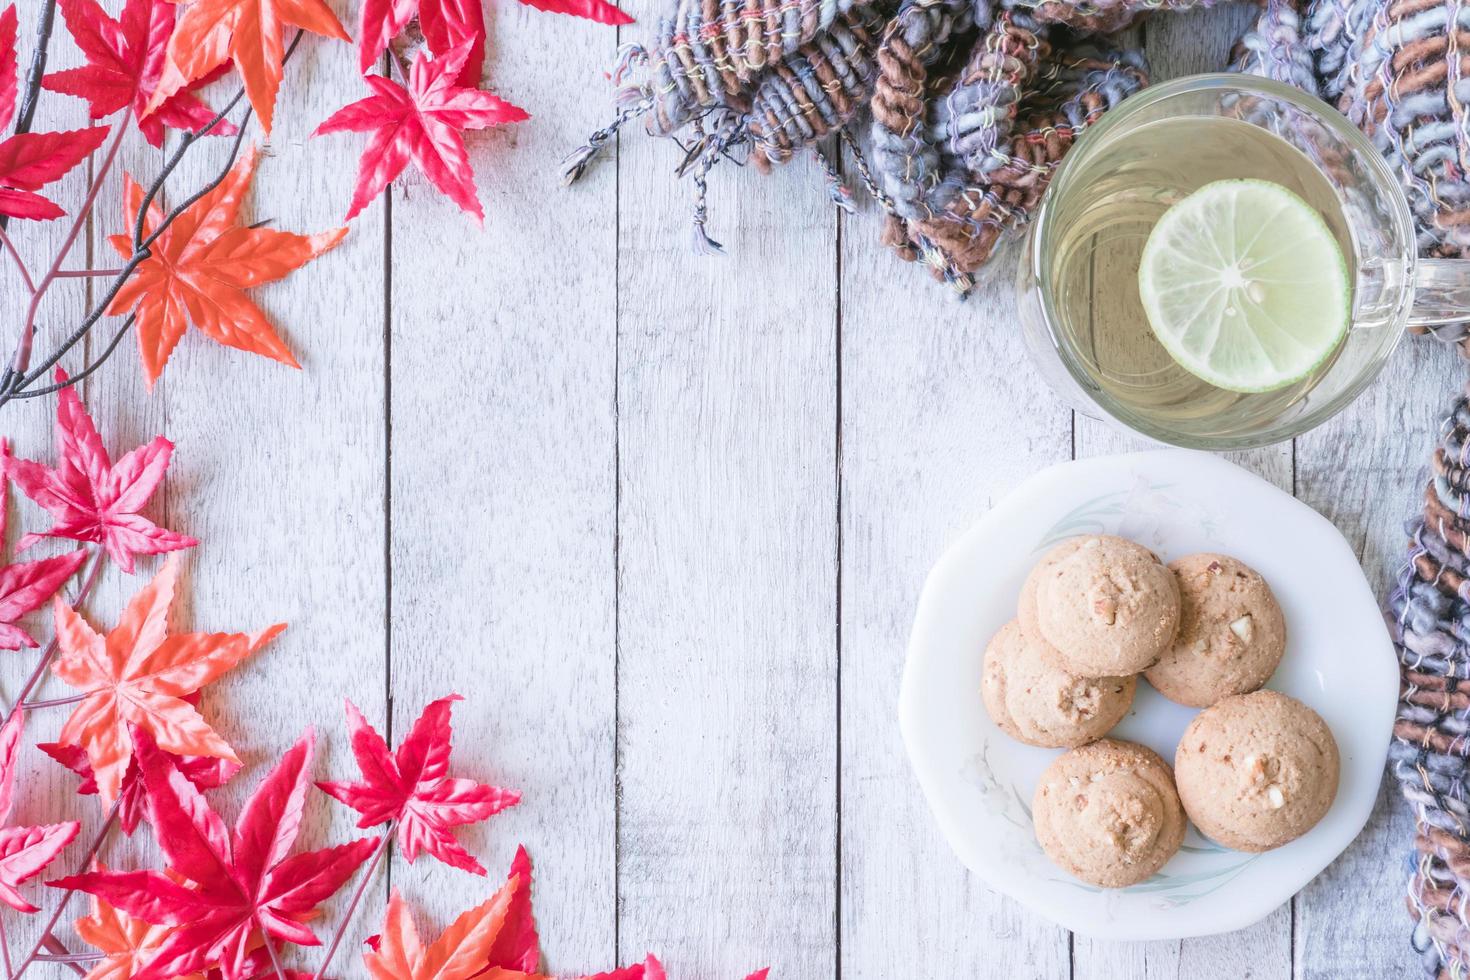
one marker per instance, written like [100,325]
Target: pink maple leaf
[654,970]
[24,586]
[422,123]
[412,786]
[24,851]
[91,498]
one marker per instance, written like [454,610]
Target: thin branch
[86,273]
[20,263]
[82,866]
[58,948]
[357,895]
[84,372]
[37,69]
[50,651]
[14,384]
[270,947]
[22,357]
[5,950]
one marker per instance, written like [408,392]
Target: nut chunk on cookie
[1108,813]
[1107,606]
[1231,633]
[1257,771]
[1038,703]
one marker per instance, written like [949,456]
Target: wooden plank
[259,446]
[942,414]
[503,492]
[279,473]
[727,641]
[1365,471]
[45,791]
[1179,45]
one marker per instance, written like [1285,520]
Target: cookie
[1108,813]
[1040,704]
[1026,607]
[1257,771]
[1231,633]
[1108,606]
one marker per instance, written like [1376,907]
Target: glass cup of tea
[1080,307]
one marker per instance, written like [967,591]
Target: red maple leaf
[125,60]
[422,123]
[518,947]
[25,585]
[30,161]
[24,851]
[447,23]
[201,770]
[248,32]
[124,64]
[412,787]
[199,269]
[598,10]
[654,970]
[91,498]
[236,885]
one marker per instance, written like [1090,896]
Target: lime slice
[1245,286]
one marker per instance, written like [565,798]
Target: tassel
[837,191]
[575,163]
[630,56]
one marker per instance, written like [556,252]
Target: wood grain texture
[258,446]
[280,474]
[942,413]
[503,487]
[727,641]
[664,519]
[1365,471]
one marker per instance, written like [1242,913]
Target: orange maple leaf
[138,675]
[249,32]
[199,268]
[460,952]
[125,942]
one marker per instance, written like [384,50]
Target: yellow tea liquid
[1101,226]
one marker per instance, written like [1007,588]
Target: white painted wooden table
[663,521]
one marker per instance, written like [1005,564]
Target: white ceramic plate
[979,782]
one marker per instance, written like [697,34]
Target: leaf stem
[98,556]
[52,702]
[59,950]
[96,363]
[20,263]
[357,895]
[14,383]
[5,949]
[270,947]
[66,895]
[85,273]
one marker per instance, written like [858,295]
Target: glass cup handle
[1441,292]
